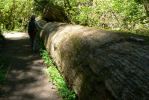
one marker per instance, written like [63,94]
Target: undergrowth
[4,67]
[56,78]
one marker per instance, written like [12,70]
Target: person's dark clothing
[32,31]
[32,26]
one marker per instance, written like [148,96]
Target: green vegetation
[3,71]
[14,14]
[56,78]
[4,68]
[127,15]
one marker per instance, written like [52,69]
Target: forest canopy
[128,15]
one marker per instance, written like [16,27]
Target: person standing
[32,30]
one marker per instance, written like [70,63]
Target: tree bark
[100,65]
[146,6]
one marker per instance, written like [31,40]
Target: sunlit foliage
[108,14]
[14,13]
[128,15]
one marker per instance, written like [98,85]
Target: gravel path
[26,79]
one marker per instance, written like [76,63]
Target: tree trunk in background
[146,6]
[55,13]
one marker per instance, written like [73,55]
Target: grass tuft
[56,78]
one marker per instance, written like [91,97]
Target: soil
[25,78]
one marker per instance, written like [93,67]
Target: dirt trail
[26,79]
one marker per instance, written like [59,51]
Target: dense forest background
[126,15]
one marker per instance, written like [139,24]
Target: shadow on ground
[24,78]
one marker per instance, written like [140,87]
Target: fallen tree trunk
[54,13]
[146,6]
[99,65]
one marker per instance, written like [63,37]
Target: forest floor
[25,76]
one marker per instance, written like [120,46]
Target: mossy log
[54,13]
[99,65]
